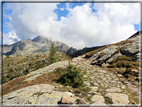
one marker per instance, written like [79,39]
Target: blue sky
[76,24]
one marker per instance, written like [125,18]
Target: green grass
[38,93]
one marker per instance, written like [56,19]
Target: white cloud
[10,38]
[62,9]
[111,23]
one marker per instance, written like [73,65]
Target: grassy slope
[21,65]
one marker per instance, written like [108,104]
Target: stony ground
[105,88]
[36,94]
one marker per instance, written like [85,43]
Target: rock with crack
[104,55]
[118,98]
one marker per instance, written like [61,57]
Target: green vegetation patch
[38,93]
[72,77]
[129,65]
[123,61]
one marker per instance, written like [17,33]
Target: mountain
[7,48]
[71,51]
[103,75]
[38,44]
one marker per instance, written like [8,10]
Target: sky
[78,25]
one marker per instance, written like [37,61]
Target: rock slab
[118,98]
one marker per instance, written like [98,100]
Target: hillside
[107,75]
[17,65]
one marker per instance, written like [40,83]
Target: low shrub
[86,89]
[121,58]
[26,72]
[123,61]
[72,77]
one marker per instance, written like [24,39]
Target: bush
[72,77]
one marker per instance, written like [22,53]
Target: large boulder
[66,100]
[98,99]
[81,101]
[118,98]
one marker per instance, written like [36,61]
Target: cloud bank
[82,27]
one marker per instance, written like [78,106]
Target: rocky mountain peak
[41,39]
[38,44]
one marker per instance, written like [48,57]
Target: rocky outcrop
[102,56]
[49,68]
[132,49]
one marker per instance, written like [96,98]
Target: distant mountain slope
[7,48]
[84,50]
[136,34]
[38,44]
